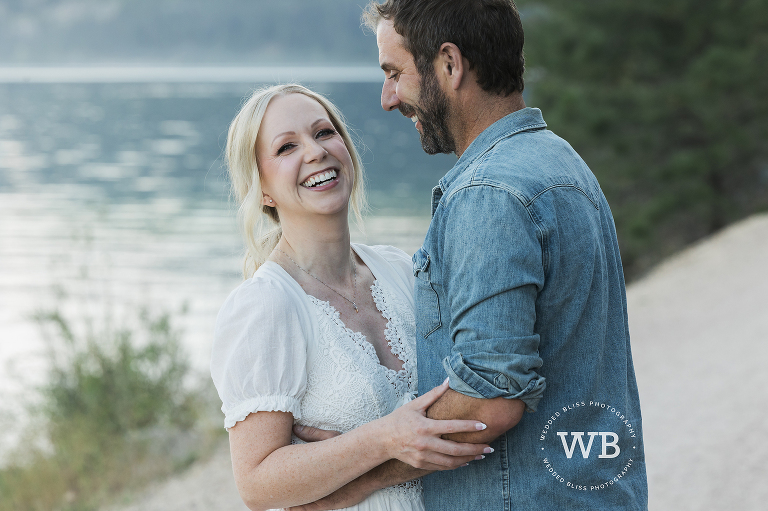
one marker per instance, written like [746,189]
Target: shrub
[119,409]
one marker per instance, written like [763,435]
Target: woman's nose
[389,99]
[314,152]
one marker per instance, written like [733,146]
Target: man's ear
[450,65]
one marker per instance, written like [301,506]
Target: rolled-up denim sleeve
[493,272]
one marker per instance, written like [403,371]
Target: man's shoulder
[528,164]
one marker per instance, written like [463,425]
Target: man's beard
[433,114]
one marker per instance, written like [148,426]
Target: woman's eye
[284,148]
[327,132]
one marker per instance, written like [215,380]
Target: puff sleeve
[259,354]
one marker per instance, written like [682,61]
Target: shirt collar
[522,120]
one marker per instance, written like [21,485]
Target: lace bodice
[346,384]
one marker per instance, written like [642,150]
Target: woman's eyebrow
[320,120]
[283,133]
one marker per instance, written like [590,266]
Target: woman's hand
[416,440]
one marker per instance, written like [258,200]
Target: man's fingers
[310,434]
[313,506]
[306,507]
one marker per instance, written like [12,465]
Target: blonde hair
[261,224]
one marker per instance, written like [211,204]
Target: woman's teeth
[319,179]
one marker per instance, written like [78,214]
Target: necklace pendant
[355,306]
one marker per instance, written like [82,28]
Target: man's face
[418,97]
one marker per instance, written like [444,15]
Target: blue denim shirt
[520,294]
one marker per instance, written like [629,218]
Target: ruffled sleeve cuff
[262,404]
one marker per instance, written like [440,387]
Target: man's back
[520,294]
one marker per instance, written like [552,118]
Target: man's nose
[389,99]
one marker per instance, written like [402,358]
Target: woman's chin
[329,201]
[314,211]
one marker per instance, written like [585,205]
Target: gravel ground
[699,326]
[206,486]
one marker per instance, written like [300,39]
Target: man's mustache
[406,109]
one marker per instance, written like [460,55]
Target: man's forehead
[392,51]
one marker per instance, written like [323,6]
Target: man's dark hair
[488,33]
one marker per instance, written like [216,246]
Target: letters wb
[578,437]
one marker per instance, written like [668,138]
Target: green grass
[121,408]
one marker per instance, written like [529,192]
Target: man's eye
[394,76]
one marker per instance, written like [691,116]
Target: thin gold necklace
[354,267]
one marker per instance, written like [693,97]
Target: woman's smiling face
[305,168]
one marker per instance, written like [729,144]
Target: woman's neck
[320,247]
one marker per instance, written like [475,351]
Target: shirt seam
[526,205]
[470,162]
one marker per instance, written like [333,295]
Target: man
[519,292]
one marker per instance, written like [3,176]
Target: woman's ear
[266,200]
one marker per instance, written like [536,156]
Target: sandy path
[699,326]
[207,486]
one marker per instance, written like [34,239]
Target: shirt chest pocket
[427,301]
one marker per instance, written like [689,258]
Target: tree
[667,101]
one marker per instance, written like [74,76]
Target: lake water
[113,197]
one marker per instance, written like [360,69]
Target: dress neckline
[391,335]
[357,337]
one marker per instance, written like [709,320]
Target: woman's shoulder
[391,265]
[392,255]
[266,291]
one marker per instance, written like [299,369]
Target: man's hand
[310,434]
[387,474]
[346,496]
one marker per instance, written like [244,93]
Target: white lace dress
[278,349]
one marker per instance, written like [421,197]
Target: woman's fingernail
[488,450]
[479,457]
[298,428]
[446,381]
[480,426]
[465,465]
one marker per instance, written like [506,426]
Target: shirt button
[501,381]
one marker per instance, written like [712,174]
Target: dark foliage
[666,101]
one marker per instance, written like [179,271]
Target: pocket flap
[421,264]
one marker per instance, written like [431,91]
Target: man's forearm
[389,473]
[499,414]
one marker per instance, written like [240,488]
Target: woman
[321,333]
